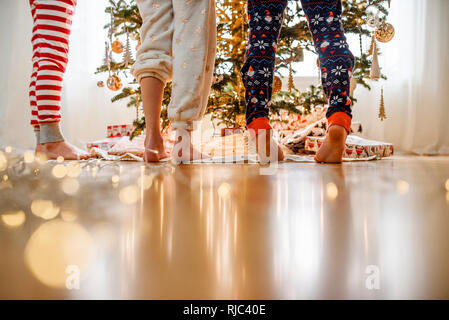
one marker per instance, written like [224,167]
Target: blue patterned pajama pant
[336,60]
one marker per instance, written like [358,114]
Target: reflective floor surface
[365,230]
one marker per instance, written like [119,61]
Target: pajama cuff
[183,125]
[50,132]
[150,74]
[340,119]
[37,133]
[258,124]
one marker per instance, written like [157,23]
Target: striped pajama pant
[51,30]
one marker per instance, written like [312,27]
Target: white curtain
[416,93]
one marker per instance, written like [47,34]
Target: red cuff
[340,119]
[258,124]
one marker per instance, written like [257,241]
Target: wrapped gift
[104,144]
[356,128]
[120,130]
[356,147]
[231,131]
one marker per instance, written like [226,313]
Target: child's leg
[336,62]
[52,23]
[33,104]
[152,94]
[194,45]
[265,23]
[153,68]
[32,88]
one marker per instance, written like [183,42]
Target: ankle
[153,133]
[50,133]
[337,132]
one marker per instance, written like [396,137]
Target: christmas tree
[226,103]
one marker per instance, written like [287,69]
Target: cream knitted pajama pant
[178,43]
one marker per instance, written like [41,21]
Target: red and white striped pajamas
[51,30]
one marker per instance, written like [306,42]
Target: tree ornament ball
[373,21]
[114,83]
[100,84]
[373,16]
[117,46]
[277,85]
[385,32]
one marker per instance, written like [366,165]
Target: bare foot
[183,149]
[333,146]
[265,156]
[53,150]
[154,147]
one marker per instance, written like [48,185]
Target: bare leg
[333,147]
[152,94]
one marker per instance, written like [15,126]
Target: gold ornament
[291,84]
[114,83]
[371,48]
[117,46]
[277,85]
[100,84]
[385,32]
[382,114]
[375,73]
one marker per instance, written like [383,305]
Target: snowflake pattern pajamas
[336,60]
[179,43]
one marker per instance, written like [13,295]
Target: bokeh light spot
[44,209]
[129,194]
[14,219]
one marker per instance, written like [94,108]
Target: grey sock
[50,132]
[37,133]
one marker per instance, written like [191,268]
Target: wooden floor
[365,230]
